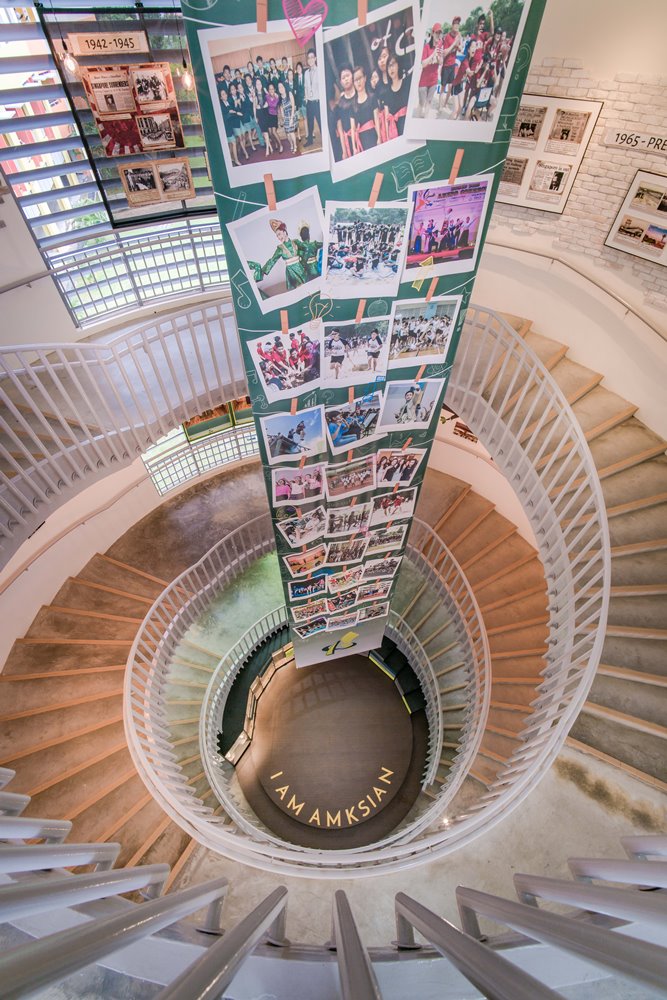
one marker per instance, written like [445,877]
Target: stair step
[647,702]
[641,750]
[625,720]
[63,705]
[634,548]
[636,676]
[633,772]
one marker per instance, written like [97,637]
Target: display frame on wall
[158,26]
[636,219]
[541,166]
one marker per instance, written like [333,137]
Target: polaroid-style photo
[347,520]
[355,353]
[654,240]
[294,487]
[161,130]
[175,179]
[382,568]
[463,67]
[314,609]
[373,611]
[310,628]
[303,590]
[351,425]
[398,466]
[291,266]
[386,540]
[140,183]
[290,437]
[445,228]
[288,364]
[420,332]
[368,71]
[299,531]
[376,591]
[348,551]
[350,478]
[364,248]
[343,581]
[268,96]
[301,563]
[344,601]
[411,405]
[393,507]
[348,620]
[153,86]
[631,229]
[649,198]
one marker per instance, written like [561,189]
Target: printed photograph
[368,72]
[302,612]
[298,531]
[301,563]
[350,478]
[175,179]
[301,590]
[445,228]
[310,628]
[654,239]
[376,591]
[269,99]
[549,181]
[290,437]
[139,183]
[386,540]
[364,248]
[398,466]
[648,197]
[343,621]
[341,602]
[161,130]
[631,229]
[355,353]
[393,507]
[347,520]
[466,55]
[350,425]
[420,332]
[153,86]
[343,581]
[349,551]
[288,244]
[288,364]
[373,611]
[297,486]
[410,405]
[528,126]
[383,568]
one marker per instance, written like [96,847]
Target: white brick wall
[605,174]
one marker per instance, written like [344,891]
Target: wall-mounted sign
[640,228]
[104,43]
[549,139]
[649,142]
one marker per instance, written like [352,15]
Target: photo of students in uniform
[301,563]
[368,71]
[347,620]
[341,602]
[267,92]
[386,540]
[301,590]
[421,331]
[297,486]
[280,250]
[288,364]
[347,520]
[398,466]
[351,425]
[343,581]
[393,507]
[410,405]
[373,611]
[364,248]
[310,628]
[298,531]
[445,228]
[349,551]
[350,478]
[376,591]
[382,568]
[290,437]
[302,612]
[466,52]
[354,353]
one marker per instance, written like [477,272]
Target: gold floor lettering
[343,817]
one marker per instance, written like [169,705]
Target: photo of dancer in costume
[445,228]
[364,249]
[281,250]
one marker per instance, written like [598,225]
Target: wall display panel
[549,139]
[352,247]
[140,125]
[640,228]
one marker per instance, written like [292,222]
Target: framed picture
[420,332]
[291,437]
[364,248]
[355,353]
[640,228]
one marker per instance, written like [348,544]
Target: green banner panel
[355,154]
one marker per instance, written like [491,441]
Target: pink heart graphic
[304,21]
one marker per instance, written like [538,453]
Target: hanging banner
[355,156]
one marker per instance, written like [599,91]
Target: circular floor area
[336,759]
